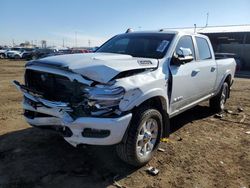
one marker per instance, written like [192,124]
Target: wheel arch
[159,103]
[226,78]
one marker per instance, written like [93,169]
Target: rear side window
[203,48]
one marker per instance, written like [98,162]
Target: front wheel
[217,103]
[143,137]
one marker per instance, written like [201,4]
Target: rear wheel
[143,137]
[2,56]
[217,103]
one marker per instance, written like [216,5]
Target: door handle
[213,69]
[195,72]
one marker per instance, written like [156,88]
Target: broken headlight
[103,100]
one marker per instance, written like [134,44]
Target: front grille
[52,86]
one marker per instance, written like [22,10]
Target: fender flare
[228,73]
[164,111]
[142,97]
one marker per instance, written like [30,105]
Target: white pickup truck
[125,92]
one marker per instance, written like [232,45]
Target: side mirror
[183,55]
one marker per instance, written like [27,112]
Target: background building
[229,39]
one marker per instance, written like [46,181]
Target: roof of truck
[170,31]
[215,29]
[201,30]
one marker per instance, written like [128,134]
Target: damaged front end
[82,99]
[85,112]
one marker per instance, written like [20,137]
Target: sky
[92,22]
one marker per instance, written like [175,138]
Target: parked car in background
[3,52]
[48,52]
[125,93]
[18,53]
[76,51]
[93,49]
[15,53]
[27,53]
[64,51]
[40,53]
[238,60]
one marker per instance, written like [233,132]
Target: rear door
[206,66]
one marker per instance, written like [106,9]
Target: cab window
[203,48]
[186,42]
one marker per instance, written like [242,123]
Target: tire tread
[126,150]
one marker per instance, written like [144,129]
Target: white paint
[101,67]
[187,90]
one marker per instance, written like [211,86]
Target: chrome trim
[47,103]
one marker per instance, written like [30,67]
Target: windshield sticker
[162,46]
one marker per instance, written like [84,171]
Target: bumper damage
[43,113]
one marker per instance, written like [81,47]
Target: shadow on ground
[39,158]
[196,113]
[34,157]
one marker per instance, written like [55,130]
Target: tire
[217,103]
[16,57]
[143,137]
[34,57]
[2,56]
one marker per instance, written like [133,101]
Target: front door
[193,80]
[183,78]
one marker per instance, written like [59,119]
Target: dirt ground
[202,151]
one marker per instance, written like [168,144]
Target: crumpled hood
[100,67]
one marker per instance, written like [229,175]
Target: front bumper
[57,114]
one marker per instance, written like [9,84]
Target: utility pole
[89,42]
[63,42]
[75,39]
[207,19]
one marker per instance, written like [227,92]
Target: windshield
[147,45]
[16,49]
